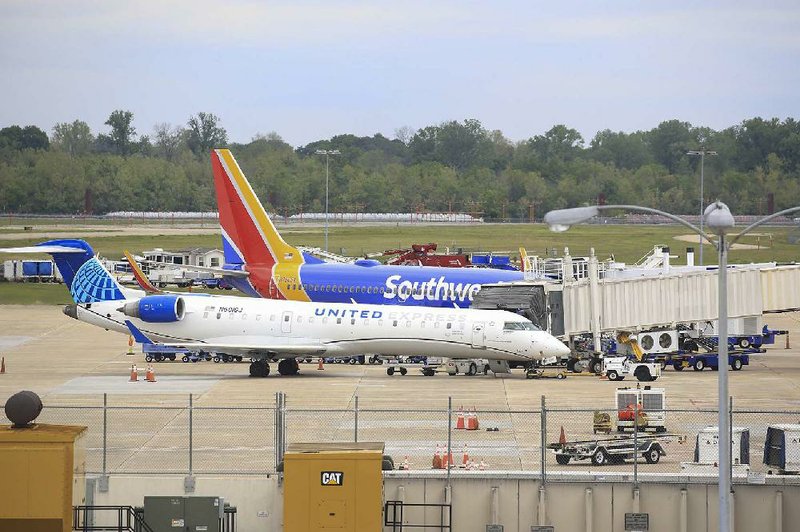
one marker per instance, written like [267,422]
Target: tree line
[452,166]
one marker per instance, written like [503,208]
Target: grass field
[627,243]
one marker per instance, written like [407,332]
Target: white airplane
[273,330]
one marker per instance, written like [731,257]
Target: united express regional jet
[260,263]
[271,330]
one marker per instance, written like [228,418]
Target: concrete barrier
[514,500]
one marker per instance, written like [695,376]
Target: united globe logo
[93,283]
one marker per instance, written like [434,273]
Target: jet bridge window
[338,321]
[287,317]
[449,325]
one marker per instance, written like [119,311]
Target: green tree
[122,132]
[205,133]
[73,138]
[167,140]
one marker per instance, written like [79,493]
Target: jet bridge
[592,305]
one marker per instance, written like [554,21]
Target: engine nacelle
[156,309]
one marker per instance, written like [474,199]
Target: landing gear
[288,366]
[259,368]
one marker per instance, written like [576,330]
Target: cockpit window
[519,326]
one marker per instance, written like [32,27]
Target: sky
[309,70]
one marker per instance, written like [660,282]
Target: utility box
[333,486]
[782,448]
[42,475]
[184,514]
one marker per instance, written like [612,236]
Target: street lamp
[327,154]
[719,220]
[702,152]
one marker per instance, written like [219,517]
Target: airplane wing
[242,345]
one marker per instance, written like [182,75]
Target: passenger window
[449,325]
[219,315]
[286,318]
[272,317]
[258,317]
[338,321]
[244,317]
[408,324]
[394,323]
[380,323]
[353,321]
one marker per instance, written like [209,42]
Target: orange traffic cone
[460,418]
[3,365]
[465,458]
[150,376]
[472,420]
[437,459]
[449,459]
[321,366]
[562,439]
[134,374]
[130,344]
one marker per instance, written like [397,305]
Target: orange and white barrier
[465,458]
[437,459]
[321,365]
[150,376]
[134,374]
[130,344]
[472,420]
[460,418]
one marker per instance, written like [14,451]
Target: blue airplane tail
[88,281]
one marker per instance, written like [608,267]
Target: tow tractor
[619,367]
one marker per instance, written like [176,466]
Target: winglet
[139,275]
[137,334]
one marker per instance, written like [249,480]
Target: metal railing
[151,438]
[394,515]
[127,519]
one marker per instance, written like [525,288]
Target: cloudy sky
[312,69]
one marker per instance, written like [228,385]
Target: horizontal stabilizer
[42,249]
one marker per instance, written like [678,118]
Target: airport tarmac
[71,364]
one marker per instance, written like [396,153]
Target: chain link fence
[631,439]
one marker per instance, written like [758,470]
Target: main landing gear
[259,368]
[287,366]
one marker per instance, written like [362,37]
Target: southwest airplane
[260,263]
[270,330]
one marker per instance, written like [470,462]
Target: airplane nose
[71,311]
[560,347]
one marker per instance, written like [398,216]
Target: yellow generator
[41,477]
[334,486]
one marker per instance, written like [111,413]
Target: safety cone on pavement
[321,365]
[465,458]
[150,376]
[405,465]
[437,458]
[3,365]
[134,374]
[449,459]
[130,344]
[460,418]
[562,439]
[472,420]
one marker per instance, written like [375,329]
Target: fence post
[449,436]
[544,440]
[636,445]
[103,483]
[730,439]
[188,481]
[355,424]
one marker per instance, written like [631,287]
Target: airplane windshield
[519,326]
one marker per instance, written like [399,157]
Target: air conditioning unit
[658,341]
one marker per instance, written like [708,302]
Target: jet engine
[156,309]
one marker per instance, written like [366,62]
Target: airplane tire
[259,368]
[288,366]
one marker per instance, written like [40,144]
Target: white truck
[617,368]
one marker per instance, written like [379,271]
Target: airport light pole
[702,152]
[327,154]
[719,220]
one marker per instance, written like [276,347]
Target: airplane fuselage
[339,329]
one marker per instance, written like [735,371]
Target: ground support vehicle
[467,366]
[611,450]
[223,357]
[641,408]
[160,353]
[429,366]
[617,368]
